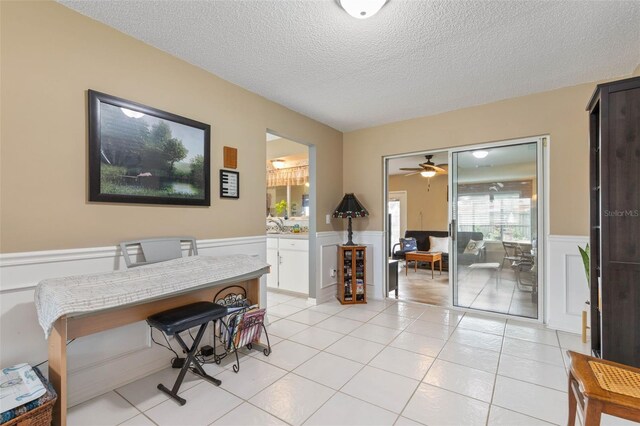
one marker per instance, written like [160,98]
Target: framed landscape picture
[139,154]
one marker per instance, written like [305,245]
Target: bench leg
[573,403]
[189,361]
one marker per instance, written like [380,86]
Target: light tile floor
[383,363]
[476,289]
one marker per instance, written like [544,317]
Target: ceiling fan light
[362,9]
[278,164]
[428,173]
[480,153]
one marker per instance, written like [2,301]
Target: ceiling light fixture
[131,113]
[428,173]
[480,153]
[278,164]
[362,9]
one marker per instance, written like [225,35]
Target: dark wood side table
[393,276]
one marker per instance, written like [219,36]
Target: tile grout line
[427,372]
[495,377]
[401,330]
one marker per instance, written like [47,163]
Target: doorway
[417,205]
[289,215]
[493,227]
[397,207]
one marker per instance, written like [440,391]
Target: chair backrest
[511,249]
[154,250]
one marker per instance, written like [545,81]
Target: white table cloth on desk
[77,294]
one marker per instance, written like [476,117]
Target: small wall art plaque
[229,184]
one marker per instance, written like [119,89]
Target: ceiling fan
[426,169]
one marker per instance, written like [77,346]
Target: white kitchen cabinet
[294,265]
[290,264]
[273,260]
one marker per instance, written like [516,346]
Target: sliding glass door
[495,227]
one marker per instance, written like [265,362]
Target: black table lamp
[350,207]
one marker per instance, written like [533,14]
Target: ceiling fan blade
[412,169]
[411,174]
[432,167]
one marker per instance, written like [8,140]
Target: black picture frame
[229,184]
[136,154]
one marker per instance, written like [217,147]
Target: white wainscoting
[374,240]
[328,242]
[99,362]
[566,286]
[327,248]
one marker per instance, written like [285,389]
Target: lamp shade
[350,207]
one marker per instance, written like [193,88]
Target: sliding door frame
[385,208]
[542,186]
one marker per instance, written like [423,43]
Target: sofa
[422,239]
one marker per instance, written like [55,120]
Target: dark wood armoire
[614,121]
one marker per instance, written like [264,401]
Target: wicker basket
[41,415]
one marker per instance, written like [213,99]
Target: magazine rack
[243,325]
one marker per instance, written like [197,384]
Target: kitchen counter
[298,236]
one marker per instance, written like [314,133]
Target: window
[503,216]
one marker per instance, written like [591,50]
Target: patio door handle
[452,230]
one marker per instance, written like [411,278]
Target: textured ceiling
[414,58]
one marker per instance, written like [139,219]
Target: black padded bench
[176,320]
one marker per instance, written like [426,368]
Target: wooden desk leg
[573,402]
[432,262]
[253,290]
[58,370]
[440,266]
[415,266]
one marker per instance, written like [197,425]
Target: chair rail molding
[566,286]
[103,361]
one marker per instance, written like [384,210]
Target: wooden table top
[427,255]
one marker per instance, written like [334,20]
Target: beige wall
[559,113]
[50,56]
[427,207]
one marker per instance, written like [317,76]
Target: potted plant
[585,253]
[281,208]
